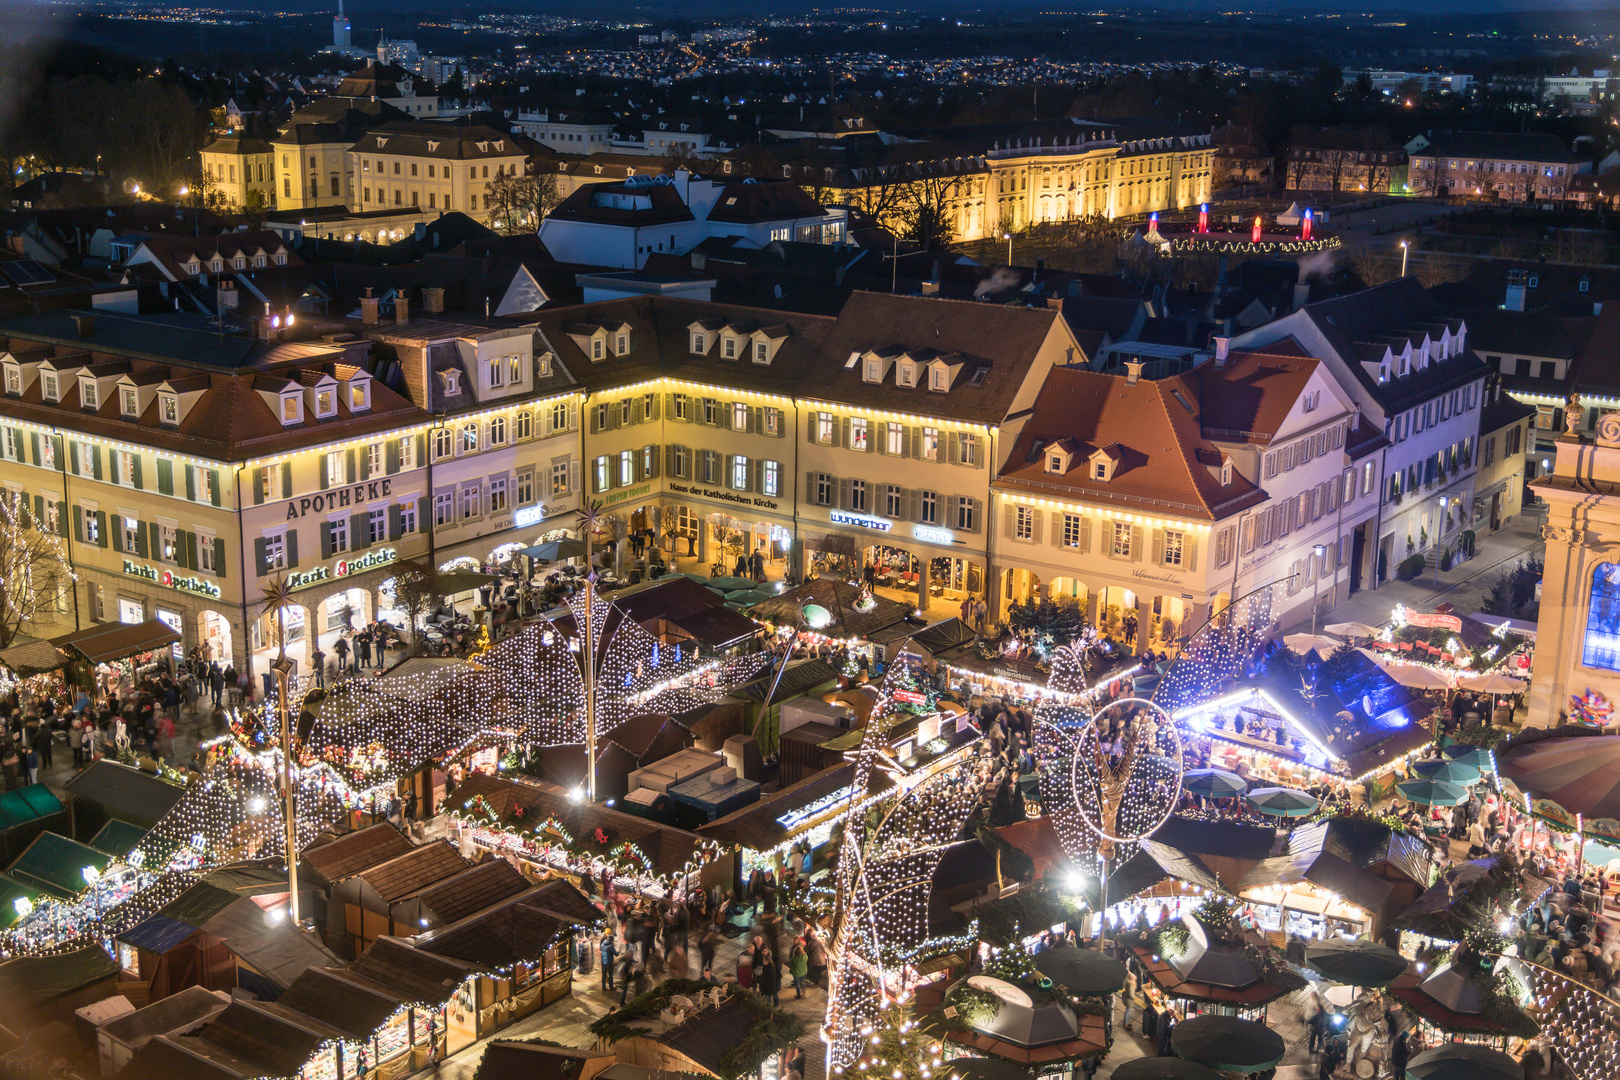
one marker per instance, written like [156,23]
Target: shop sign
[1148,575]
[168,580]
[628,493]
[723,496]
[369,561]
[930,534]
[1434,621]
[338,498]
[839,517]
[910,697]
[833,799]
[525,516]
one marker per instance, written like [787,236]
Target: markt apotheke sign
[169,580]
[723,496]
[338,498]
[342,568]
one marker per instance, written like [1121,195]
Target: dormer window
[1054,463]
[451,379]
[762,352]
[907,374]
[939,379]
[700,344]
[874,370]
[978,376]
[359,395]
[193,267]
[281,258]
[621,344]
[1226,472]
[598,349]
[1099,469]
[217,265]
[292,409]
[128,402]
[169,409]
[258,261]
[325,403]
[13,379]
[728,347]
[239,263]
[1586,284]
[50,388]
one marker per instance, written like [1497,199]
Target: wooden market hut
[367,900]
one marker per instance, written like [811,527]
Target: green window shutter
[219,557]
[165,471]
[135,460]
[326,539]
[61,516]
[33,437]
[95,460]
[101,527]
[391,456]
[292,547]
[258,487]
[78,527]
[421,449]
[74,450]
[259,559]
[424,514]
[286,479]
[213,484]
[191,550]
[117,540]
[393,522]
[326,472]
[349,478]
[141,546]
[191,484]
[364,457]
[359,531]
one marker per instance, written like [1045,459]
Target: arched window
[1602,645]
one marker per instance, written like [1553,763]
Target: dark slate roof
[453,899]
[175,1011]
[1152,863]
[756,826]
[1229,838]
[32,980]
[1308,860]
[55,863]
[509,934]
[800,676]
[356,851]
[1498,146]
[117,838]
[357,1007]
[279,952]
[838,597]
[415,870]
[157,933]
[752,201]
[124,791]
[513,1060]
[414,975]
[708,1035]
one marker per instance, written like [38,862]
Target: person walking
[341,647]
[798,967]
[317,660]
[607,953]
[706,946]
[42,743]
[31,763]
[768,977]
[818,955]
[216,684]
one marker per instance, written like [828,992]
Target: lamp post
[1316,584]
[1007,236]
[1439,536]
[1404,248]
[276,596]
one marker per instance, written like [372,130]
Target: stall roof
[473,890]
[33,980]
[33,658]
[708,1034]
[199,903]
[117,838]
[12,890]
[415,870]
[506,1059]
[838,597]
[943,635]
[511,933]
[167,1057]
[1386,717]
[1229,838]
[1309,861]
[258,877]
[800,677]
[27,804]
[279,952]
[1152,863]
[125,792]
[192,1005]
[275,1038]
[353,852]
[157,933]
[106,642]
[357,1009]
[56,864]
[759,827]
[412,974]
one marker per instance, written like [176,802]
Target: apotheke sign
[338,498]
[839,517]
[342,568]
[168,580]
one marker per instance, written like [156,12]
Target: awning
[460,581]
[107,642]
[27,804]
[33,658]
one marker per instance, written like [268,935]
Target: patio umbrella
[1579,772]
[732,584]
[1082,972]
[1282,801]
[1417,676]
[1452,772]
[552,550]
[1356,961]
[1304,643]
[1492,683]
[749,596]
[1227,1044]
[1214,783]
[1157,1068]
[1432,792]
[1353,629]
[1468,754]
[1462,1061]
[701,579]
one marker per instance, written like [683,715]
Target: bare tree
[517,204]
[416,590]
[1335,163]
[1423,178]
[1298,163]
[1478,180]
[925,216]
[34,572]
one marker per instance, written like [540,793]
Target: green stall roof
[27,804]
[12,890]
[56,864]
[117,838]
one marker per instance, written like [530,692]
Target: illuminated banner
[369,561]
[1435,621]
[168,580]
[839,517]
[929,534]
[524,516]
[830,801]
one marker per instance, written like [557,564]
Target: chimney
[368,308]
[930,288]
[1355,419]
[402,309]
[84,325]
[1133,371]
[1223,346]
[1302,294]
[1054,303]
[432,301]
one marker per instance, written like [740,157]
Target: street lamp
[1404,248]
[1316,584]
[1439,536]
[811,615]
[1007,236]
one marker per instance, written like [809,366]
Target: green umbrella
[1452,772]
[1477,756]
[1432,792]
[1462,1061]
[750,596]
[1356,961]
[1227,1044]
[732,584]
[1159,1068]
[1282,801]
[1214,783]
[701,579]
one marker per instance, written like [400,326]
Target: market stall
[119,651]
[1209,961]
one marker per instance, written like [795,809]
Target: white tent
[1291,216]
